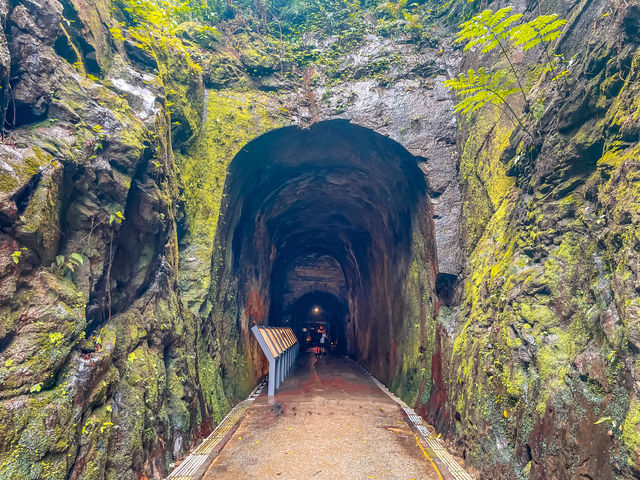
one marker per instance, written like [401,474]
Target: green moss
[30,455]
[39,227]
[22,168]
[222,70]
[413,365]
[93,16]
[7,182]
[631,432]
[536,314]
[96,430]
[180,416]
[58,312]
[415,339]
[624,111]
[482,173]
[232,120]
[211,384]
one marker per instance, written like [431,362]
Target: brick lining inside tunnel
[339,210]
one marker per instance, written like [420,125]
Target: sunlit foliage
[501,30]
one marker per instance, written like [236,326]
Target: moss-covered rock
[543,345]
[232,119]
[86,208]
[40,327]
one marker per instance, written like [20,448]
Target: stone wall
[99,371]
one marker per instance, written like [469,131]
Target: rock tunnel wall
[98,373]
[310,274]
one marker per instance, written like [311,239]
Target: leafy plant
[602,420]
[537,110]
[480,88]
[118,217]
[17,255]
[71,262]
[542,29]
[501,30]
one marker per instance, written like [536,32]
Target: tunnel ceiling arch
[337,191]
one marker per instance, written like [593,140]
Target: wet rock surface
[396,89]
[96,382]
[542,380]
[125,305]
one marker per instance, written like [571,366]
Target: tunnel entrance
[335,217]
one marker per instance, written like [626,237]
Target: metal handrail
[281,348]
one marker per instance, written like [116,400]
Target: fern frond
[506,23]
[478,88]
[490,46]
[487,29]
[554,26]
[551,36]
[542,29]
[532,43]
[522,34]
[495,18]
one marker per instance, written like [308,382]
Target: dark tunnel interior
[334,217]
[316,309]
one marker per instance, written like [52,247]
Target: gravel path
[330,422]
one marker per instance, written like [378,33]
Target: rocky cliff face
[123,324]
[542,361]
[98,368]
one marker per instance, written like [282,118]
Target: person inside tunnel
[322,341]
[316,315]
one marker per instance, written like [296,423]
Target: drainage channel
[448,468]
[195,465]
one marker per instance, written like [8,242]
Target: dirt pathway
[333,423]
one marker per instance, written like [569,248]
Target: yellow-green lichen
[631,432]
[232,120]
[482,173]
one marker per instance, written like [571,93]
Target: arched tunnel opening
[315,311]
[334,217]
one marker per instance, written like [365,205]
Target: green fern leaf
[544,28]
[479,88]
[529,45]
[486,29]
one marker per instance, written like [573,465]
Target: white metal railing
[281,347]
